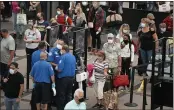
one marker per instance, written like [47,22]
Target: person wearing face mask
[41,25]
[32,37]
[146,36]
[112,50]
[54,54]
[43,78]
[13,87]
[63,19]
[95,23]
[169,23]
[36,55]
[100,71]
[65,77]
[78,102]
[162,32]
[127,55]
[124,29]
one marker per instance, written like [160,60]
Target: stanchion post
[152,77]
[130,103]
[85,59]
[163,54]
[144,94]
[74,42]
[48,38]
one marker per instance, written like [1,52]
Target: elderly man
[78,102]
[42,74]
[113,54]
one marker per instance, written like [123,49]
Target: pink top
[14,7]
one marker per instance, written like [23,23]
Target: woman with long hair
[124,29]
[127,55]
[80,21]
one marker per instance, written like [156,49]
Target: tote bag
[21,19]
[164,7]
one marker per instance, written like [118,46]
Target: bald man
[42,74]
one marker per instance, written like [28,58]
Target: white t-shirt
[121,38]
[125,52]
[32,35]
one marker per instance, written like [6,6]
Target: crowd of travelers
[53,72]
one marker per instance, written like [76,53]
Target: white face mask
[58,12]
[11,71]
[143,25]
[163,29]
[59,46]
[110,41]
[84,3]
[125,31]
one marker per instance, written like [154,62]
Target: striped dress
[99,70]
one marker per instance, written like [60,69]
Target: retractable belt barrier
[156,76]
[75,38]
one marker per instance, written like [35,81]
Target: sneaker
[96,105]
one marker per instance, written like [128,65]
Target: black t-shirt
[12,87]
[146,40]
[164,34]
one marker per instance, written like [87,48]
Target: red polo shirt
[62,20]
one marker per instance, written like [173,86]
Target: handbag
[92,78]
[120,80]
[164,7]
[21,19]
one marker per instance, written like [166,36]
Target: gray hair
[76,93]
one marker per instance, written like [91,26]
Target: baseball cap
[150,16]
[110,35]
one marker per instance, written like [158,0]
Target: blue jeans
[11,103]
[146,55]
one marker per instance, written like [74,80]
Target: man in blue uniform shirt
[65,77]
[36,54]
[54,54]
[42,74]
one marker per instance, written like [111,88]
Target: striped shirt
[99,70]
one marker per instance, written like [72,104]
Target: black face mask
[53,24]
[126,41]
[81,100]
[38,18]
